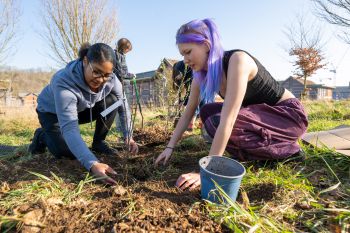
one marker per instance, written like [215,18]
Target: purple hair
[199,31]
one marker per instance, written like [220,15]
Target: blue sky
[256,26]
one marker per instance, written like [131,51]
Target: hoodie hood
[74,70]
[71,82]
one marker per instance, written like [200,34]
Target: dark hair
[186,73]
[123,44]
[97,53]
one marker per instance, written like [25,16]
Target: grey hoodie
[68,94]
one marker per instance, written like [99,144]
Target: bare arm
[187,115]
[241,68]
[182,124]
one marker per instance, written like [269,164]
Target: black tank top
[263,88]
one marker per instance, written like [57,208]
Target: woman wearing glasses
[78,94]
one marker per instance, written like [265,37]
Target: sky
[253,25]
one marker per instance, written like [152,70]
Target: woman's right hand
[100,170]
[164,156]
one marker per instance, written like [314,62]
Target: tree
[306,46]
[70,23]
[9,14]
[336,12]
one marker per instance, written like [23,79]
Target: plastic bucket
[226,172]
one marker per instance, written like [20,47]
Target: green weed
[239,219]
[44,188]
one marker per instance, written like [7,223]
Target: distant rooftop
[342,89]
[145,75]
[309,83]
[152,73]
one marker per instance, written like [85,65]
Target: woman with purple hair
[258,120]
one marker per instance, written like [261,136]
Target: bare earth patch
[144,200]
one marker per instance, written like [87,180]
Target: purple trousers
[261,131]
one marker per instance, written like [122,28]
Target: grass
[7,223]
[308,196]
[241,219]
[54,190]
[45,188]
[312,196]
[325,115]
[302,197]
[283,187]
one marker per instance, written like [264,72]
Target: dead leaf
[120,190]
[245,199]
[32,218]
[4,187]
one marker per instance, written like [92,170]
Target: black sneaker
[102,147]
[37,146]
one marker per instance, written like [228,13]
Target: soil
[153,136]
[145,200]
[261,193]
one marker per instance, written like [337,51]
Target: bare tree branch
[306,46]
[9,14]
[301,34]
[336,12]
[70,23]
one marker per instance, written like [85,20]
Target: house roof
[171,62]
[145,75]
[343,89]
[309,83]
[151,74]
[24,94]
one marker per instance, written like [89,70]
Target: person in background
[77,94]
[182,78]
[121,71]
[258,120]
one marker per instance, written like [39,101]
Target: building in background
[28,99]
[153,86]
[341,92]
[314,91]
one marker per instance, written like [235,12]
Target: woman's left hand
[190,180]
[133,147]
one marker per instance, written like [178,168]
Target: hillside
[32,80]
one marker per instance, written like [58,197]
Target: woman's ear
[207,45]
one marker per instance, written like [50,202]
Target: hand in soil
[164,156]
[100,170]
[190,180]
[133,147]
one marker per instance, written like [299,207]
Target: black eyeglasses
[96,74]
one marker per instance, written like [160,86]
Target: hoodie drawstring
[90,112]
[90,104]
[104,101]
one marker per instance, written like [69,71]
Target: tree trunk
[304,93]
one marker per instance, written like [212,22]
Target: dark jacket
[121,69]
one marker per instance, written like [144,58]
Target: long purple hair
[199,31]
